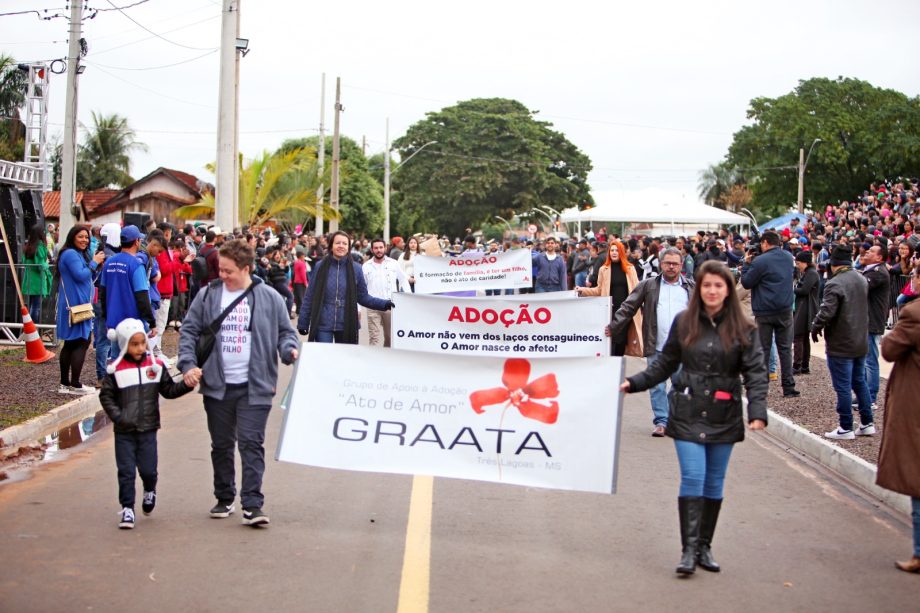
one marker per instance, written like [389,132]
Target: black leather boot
[708,521]
[690,509]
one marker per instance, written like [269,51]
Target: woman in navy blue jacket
[75,270]
[329,312]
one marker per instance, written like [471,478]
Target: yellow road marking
[414,584]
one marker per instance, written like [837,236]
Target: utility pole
[364,145]
[801,198]
[334,198]
[226,211]
[386,186]
[321,192]
[69,151]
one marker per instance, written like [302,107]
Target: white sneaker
[840,435]
[126,521]
[83,389]
[867,430]
[66,389]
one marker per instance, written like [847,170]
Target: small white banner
[542,423]
[528,326]
[506,270]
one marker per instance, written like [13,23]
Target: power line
[37,12]
[153,91]
[197,57]
[145,28]
[134,42]
[118,8]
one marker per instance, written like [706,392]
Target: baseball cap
[129,234]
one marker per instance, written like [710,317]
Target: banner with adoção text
[506,270]
[534,423]
[528,326]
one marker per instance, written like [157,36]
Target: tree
[280,185]
[867,133]
[13,84]
[104,158]
[716,181]
[491,157]
[360,194]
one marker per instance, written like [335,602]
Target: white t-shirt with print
[235,338]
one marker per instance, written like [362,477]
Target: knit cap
[123,333]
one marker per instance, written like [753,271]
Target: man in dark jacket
[769,277]
[876,274]
[844,319]
[806,307]
[549,269]
[661,298]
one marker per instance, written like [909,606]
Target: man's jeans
[659,394]
[872,366]
[848,376]
[780,328]
[915,508]
[105,349]
[233,422]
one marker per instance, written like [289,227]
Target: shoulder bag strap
[215,325]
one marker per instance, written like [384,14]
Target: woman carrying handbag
[75,270]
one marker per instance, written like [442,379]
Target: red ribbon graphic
[520,393]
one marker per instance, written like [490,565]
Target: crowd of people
[713,313]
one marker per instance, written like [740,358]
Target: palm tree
[280,185]
[715,182]
[104,158]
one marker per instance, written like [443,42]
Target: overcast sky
[651,91]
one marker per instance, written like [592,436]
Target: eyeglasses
[671,264]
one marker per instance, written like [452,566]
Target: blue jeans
[233,422]
[773,358]
[543,289]
[872,366]
[848,376]
[659,395]
[702,468]
[330,336]
[105,349]
[135,454]
[580,278]
[35,308]
[915,508]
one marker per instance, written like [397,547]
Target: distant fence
[11,314]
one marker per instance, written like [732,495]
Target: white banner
[514,326]
[543,423]
[506,270]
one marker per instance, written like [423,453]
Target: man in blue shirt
[124,290]
[549,269]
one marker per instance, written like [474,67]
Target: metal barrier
[897,286]
[11,314]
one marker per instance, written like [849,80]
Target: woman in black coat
[716,346]
[806,307]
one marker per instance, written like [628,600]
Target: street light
[552,222]
[803,162]
[386,180]
[505,221]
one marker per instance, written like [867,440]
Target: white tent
[639,212]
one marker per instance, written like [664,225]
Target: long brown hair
[735,325]
[624,263]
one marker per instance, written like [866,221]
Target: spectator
[769,277]
[844,319]
[878,279]
[806,307]
[897,458]
[36,278]
[712,346]
[124,287]
[580,257]
[300,276]
[75,270]
[110,237]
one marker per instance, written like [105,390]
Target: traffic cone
[35,349]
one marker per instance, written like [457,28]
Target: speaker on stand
[11,215]
[138,219]
[33,209]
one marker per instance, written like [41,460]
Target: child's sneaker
[221,510]
[254,517]
[150,501]
[127,519]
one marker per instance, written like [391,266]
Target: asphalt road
[791,538]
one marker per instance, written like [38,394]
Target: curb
[30,432]
[851,467]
